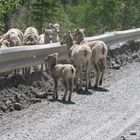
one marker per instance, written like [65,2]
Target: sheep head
[51,59]
[78,35]
[67,39]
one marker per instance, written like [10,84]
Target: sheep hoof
[90,86]
[95,86]
[100,83]
[86,89]
[69,99]
[63,99]
[55,97]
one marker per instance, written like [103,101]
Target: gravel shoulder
[105,114]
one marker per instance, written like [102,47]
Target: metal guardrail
[23,56]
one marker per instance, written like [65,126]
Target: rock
[116,66]
[17,106]
[3,108]
[35,100]
[133,133]
[8,103]
[11,109]
[1,113]
[135,56]
[41,95]
[17,98]
[123,138]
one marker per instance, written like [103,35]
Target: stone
[41,95]
[135,56]
[17,98]
[123,138]
[3,108]
[17,106]
[8,103]
[116,66]
[11,109]
[35,100]
[133,133]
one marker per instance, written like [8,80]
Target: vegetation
[96,16]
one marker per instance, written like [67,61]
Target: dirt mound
[18,92]
[120,55]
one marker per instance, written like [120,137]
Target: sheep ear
[51,25]
[55,54]
[43,30]
[83,29]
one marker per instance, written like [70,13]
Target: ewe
[61,71]
[31,36]
[79,55]
[55,32]
[99,54]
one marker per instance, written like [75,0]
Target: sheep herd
[80,54]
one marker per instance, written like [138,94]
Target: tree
[45,11]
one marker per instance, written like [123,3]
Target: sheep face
[67,39]
[48,34]
[4,44]
[51,59]
[55,26]
[78,35]
[30,39]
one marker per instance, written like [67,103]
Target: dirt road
[110,113]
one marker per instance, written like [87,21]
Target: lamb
[61,71]
[55,32]
[79,55]
[99,54]
[31,36]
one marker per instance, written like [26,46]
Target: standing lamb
[61,71]
[99,54]
[79,55]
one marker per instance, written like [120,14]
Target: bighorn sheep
[99,54]
[46,37]
[79,55]
[55,32]
[14,36]
[31,36]
[61,71]
[4,44]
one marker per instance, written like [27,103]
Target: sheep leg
[97,68]
[55,95]
[66,89]
[81,77]
[71,81]
[102,67]
[41,67]
[88,79]
[77,77]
